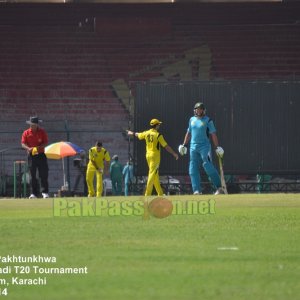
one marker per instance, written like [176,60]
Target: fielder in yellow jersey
[154,140]
[98,164]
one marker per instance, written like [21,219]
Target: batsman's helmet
[199,105]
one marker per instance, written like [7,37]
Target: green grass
[179,257]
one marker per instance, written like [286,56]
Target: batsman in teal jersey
[201,129]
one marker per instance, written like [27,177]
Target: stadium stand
[77,65]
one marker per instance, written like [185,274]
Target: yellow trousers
[153,175]
[90,174]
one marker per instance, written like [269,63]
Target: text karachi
[29,281]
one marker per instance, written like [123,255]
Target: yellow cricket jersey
[153,141]
[98,157]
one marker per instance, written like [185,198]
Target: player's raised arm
[132,133]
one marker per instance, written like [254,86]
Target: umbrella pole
[63,166]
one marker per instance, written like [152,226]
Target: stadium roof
[134,1]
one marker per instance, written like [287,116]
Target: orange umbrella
[60,150]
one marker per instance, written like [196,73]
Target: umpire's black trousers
[38,162]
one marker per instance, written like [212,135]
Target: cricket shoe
[219,191]
[197,193]
[32,196]
[45,195]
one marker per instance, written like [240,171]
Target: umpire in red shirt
[34,140]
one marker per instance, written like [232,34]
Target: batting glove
[219,151]
[182,150]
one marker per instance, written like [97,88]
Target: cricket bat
[223,183]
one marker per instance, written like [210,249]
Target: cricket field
[242,246]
